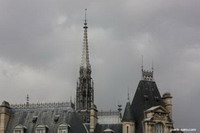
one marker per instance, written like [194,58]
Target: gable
[159,109]
[156,113]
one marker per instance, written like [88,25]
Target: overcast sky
[41,44]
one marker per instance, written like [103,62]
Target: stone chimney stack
[93,118]
[167,99]
[4,116]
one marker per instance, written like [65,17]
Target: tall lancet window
[127,129]
[159,128]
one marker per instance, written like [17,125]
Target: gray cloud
[41,42]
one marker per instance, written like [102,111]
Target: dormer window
[34,119]
[108,130]
[19,129]
[41,129]
[63,128]
[146,98]
[56,118]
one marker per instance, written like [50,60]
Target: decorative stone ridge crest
[147,75]
[42,105]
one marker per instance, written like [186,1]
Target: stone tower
[85,86]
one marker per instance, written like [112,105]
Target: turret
[4,116]
[128,120]
[167,99]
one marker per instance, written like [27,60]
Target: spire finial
[85,16]
[128,95]
[152,66]
[142,67]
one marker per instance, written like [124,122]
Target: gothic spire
[85,87]
[85,53]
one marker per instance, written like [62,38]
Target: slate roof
[51,117]
[117,128]
[128,115]
[146,96]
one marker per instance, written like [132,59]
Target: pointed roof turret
[128,116]
[85,53]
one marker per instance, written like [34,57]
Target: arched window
[63,128]
[19,129]
[159,128]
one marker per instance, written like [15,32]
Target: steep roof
[146,96]
[50,117]
[128,115]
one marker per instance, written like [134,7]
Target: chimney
[93,118]
[167,99]
[4,116]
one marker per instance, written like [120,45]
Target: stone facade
[157,115]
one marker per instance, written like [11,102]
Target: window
[159,128]
[41,129]
[19,129]
[63,128]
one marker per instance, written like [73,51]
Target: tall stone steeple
[85,87]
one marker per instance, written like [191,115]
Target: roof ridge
[41,105]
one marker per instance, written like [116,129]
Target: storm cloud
[41,42]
